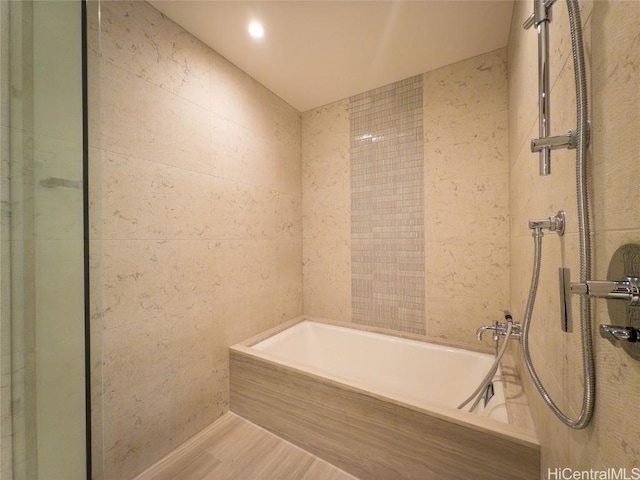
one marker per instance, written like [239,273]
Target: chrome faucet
[500,329]
[484,328]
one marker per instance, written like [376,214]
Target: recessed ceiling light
[256,30]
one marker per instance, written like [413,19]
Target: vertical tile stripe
[387,220]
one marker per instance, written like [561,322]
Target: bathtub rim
[521,435]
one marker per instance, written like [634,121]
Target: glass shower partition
[43,257]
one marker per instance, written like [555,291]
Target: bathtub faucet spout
[500,329]
[484,328]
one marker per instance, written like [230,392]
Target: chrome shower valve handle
[627,290]
[616,334]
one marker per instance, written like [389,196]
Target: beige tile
[147,278]
[327,214]
[477,267]
[325,149]
[467,146]
[616,116]
[237,97]
[246,317]
[288,170]
[453,207]
[288,273]
[288,217]
[146,200]
[241,154]
[288,303]
[244,269]
[327,279]
[325,130]
[143,42]
[146,419]
[238,153]
[464,88]
[146,121]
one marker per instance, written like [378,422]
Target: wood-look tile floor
[233,448]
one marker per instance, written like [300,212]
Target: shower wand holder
[553,224]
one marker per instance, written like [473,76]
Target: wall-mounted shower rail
[582,184]
[529,22]
[540,18]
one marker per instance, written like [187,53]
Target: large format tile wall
[613,61]
[466,194]
[200,230]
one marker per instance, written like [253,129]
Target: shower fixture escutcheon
[622,292]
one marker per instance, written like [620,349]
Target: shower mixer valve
[627,289]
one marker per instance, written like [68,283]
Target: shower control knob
[615,334]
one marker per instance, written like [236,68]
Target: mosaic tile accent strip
[387,214]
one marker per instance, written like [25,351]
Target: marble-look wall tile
[468,146]
[197,213]
[147,278]
[454,207]
[327,278]
[242,100]
[242,155]
[468,88]
[146,121]
[466,198]
[139,40]
[326,209]
[454,266]
[612,50]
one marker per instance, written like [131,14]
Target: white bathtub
[378,406]
[419,373]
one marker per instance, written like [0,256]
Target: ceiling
[318,52]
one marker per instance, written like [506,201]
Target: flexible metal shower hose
[588,398]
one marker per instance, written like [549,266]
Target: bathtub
[419,373]
[378,406]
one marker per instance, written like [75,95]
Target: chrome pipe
[544,85]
